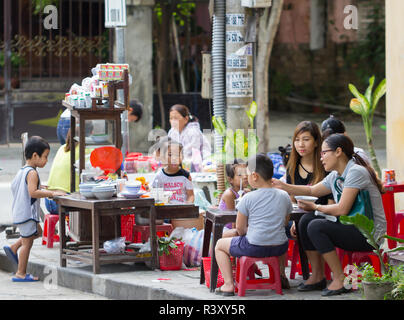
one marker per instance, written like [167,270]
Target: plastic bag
[115,246]
[200,199]
[193,240]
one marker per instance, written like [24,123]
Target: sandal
[219,292]
[28,278]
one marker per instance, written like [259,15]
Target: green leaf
[239,139]
[396,249]
[252,112]
[378,94]
[360,97]
[357,107]
[252,143]
[219,125]
[394,238]
[368,93]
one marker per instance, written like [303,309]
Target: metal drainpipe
[219,76]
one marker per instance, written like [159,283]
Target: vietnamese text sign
[239,84]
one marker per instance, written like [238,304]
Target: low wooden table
[97,208]
[216,219]
[177,211]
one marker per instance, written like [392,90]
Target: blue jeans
[51,206]
[62,129]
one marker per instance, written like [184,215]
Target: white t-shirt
[178,183]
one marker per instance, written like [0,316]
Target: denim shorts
[240,246]
[62,129]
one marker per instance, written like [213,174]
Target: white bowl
[306,198]
[132,190]
[87,194]
[103,195]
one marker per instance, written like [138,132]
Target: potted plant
[375,286]
[365,105]
[170,250]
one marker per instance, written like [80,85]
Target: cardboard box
[197,223]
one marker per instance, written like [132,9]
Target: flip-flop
[11,255]
[219,292]
[28,278]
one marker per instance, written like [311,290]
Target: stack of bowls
[86,189]
[104,191]
[132,189]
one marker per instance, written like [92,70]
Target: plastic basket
[173,261]
[206,268]
[127,223]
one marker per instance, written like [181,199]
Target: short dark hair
[136,109]
[230,168]
[332,125]
[35,144]
[261,164]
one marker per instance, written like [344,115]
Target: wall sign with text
[239,84]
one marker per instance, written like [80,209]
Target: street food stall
[95,210]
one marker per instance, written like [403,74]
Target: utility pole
[239,66]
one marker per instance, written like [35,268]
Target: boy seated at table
[261,219]
[172,177]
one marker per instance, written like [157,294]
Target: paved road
[39,291]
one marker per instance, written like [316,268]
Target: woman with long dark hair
[319,236]
[304,165]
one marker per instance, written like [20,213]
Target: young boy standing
[26,190]
[261,219]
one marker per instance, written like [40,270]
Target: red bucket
[206,268]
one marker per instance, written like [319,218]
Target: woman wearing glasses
[319,236]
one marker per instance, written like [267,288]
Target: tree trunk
[268,27]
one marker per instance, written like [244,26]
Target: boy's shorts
[28,229]
[240,246]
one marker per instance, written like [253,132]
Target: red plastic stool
[242,283]
[145,230]
[295,266]
[350,258]
[49,236]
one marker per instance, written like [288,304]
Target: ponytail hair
[342,141]
[184,112]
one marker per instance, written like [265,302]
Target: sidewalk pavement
[136,281]
[129,281]
[40,291]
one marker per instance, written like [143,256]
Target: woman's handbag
[362,204]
